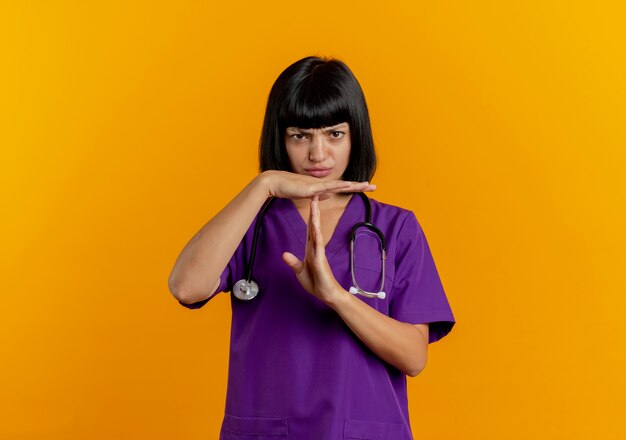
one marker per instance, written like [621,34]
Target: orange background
[124,127]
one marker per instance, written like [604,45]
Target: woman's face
[319,152]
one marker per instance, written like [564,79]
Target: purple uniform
[296,370]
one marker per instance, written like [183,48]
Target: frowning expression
[319,152]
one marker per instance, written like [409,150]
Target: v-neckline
[339,237]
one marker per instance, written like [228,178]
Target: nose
[317,149]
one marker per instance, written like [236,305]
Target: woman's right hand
[289,185]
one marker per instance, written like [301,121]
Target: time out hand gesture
[290,185]
[314,272]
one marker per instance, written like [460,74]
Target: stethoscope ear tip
[382,295]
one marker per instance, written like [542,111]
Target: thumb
[292,261]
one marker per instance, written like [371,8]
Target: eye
[298,136]
[338,133]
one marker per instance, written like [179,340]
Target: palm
[314,272]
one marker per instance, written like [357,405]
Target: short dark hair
[317,92]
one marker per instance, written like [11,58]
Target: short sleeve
[418,296]
[225,283]
[233,271]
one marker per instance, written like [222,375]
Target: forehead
[343,125]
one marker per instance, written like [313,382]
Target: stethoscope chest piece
[245,290]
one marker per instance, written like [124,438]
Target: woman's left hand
[314,273]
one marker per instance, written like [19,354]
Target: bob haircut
[313,93]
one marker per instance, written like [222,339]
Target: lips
[319,172]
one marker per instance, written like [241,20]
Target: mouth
[319,172]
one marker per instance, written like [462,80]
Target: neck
[335,199]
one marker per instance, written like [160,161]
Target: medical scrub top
[296,370]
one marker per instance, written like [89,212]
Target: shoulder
[389,208]
[400,226]
[393,216]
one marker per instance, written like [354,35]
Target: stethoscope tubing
[247,288]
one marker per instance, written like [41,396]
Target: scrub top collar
[340,239]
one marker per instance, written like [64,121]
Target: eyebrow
[333,128]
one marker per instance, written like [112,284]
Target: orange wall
[124,128]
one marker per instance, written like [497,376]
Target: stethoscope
[246,289]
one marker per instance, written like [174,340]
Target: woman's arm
[400,344]
[196,273]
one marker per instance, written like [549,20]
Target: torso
[301,348]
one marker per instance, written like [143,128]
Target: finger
[357,187]
[292,261]
[352,187]
[310,230]
[317,227]
[311,227]
[331,185]
[310,238]
[309,235]
[369,187]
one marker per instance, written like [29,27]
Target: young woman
[325,329]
